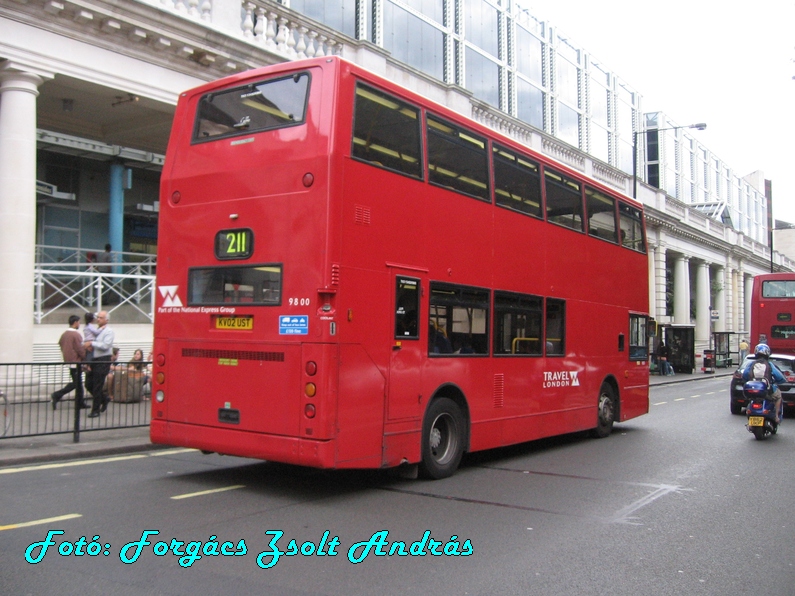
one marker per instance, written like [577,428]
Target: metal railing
[27,408]
[70,280]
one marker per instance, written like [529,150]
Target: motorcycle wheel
[759,433]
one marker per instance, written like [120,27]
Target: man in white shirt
[101,348]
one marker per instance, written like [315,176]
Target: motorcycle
[760,410]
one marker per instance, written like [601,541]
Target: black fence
[28,408]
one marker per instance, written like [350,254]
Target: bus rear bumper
[230,441]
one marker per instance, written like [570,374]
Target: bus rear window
[255,107]
[255,285]
[779,288]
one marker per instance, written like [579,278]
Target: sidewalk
[48,448]
[655,380]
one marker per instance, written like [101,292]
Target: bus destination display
[234,244]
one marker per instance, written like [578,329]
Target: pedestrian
[102,350]
[663,354]
[104,259]
[73,352]
[109,291]
[90,332]
[743,350]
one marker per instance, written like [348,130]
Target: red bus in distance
[352,276]
[773,312]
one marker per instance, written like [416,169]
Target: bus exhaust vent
[362,216]
[499,390]
[233,354]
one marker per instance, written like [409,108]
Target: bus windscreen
[252,108]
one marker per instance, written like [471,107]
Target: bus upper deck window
[255,107]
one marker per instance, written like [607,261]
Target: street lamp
[699,126]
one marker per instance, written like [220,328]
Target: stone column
[702,304]
[749,292]
[18,92]
[720,303]
[653,281]
[681,290]
[736,321]
[661,281]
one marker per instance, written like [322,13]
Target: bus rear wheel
[606,412]
[443,437]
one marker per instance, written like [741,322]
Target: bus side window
[556,327]
[458,320]
[564,200]
[386,132]
[601,214]
[631,227]
[518,321]
[638,337]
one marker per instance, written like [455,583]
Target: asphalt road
[682,501]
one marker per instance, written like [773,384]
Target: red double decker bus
[773,312]
[352,276]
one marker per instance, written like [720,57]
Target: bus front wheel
[606,412]
[442,439]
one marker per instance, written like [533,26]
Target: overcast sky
[727,64]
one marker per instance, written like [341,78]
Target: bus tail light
[311,368]
[310,390]
[160,377]
[309,410]
[160,397]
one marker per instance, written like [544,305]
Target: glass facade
[506,57]
[515,62]
[691,173]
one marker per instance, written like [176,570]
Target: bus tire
[443,438]
[605,412]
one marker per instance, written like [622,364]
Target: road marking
[86,462]
[660,403]
[171,452]
[39,522]
[82,462]
[208,492]
[624,515]
[683,398]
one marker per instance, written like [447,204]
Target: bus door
[407,351]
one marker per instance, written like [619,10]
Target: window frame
[638,330]
[208,97]
[402,105]
[192,281]
[461,134]
[517,308]
[458,300]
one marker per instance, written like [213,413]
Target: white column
[681,290]
[702,303]
[652,281]
[18,92]
[749,291]
[721,304]
[736,297]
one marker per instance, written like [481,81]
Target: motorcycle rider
[772,375]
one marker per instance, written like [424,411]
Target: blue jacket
[774,372]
